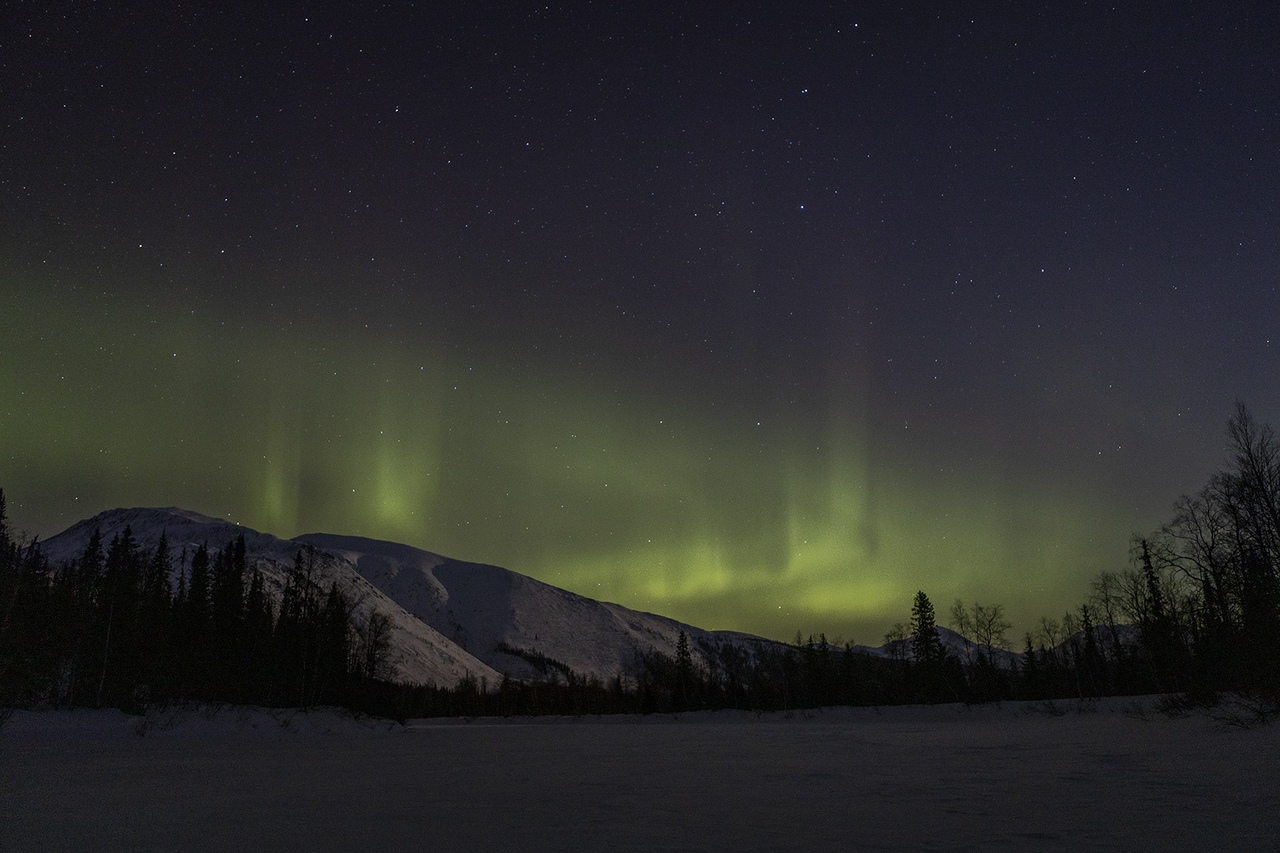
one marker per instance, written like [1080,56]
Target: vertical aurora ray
[408,447]
[282,460]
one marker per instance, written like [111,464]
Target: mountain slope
[492,612]
[449,619]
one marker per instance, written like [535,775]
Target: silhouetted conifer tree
[156,640]
[227,587]
[683,673]
[926,646]
[198,583]
[927,673]
[118,614]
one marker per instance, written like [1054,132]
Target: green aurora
[760,316]
[664,500]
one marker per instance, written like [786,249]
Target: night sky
[760,316]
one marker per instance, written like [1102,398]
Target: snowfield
[1108,776]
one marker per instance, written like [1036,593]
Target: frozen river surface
[1012,777]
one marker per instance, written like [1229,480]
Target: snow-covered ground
[1013,777]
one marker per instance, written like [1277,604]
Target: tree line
[1196,612]
[109,629]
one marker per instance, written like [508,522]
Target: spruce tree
[121,588]
[5,540]
[227,587]
[79,584]
[156,587]
[926,645]
[1156,626]
[684,671]
[9,577]
[155,640]
[195,629]
[198,589]
[1030,670]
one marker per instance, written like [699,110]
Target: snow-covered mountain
[495,614]
[449,619]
